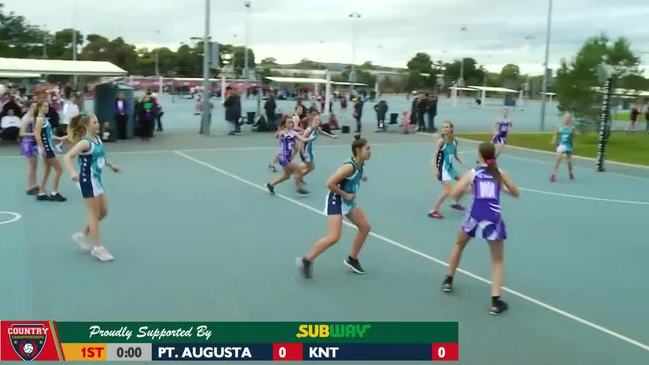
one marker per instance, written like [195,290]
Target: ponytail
[77,127]
[488,153]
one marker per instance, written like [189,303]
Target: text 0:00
[129,352]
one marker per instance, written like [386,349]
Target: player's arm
[462,185]
[327,134]
[508,185]
[554,137]
[302,137]
[334,180]
[38,127]
[494,128]
[457,156]
[81,146]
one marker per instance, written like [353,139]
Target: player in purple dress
[483,219]
[287,139]
[29,148]
[500,129]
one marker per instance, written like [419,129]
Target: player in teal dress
[341,201]
[45,142]
[314,130]
[445,153]
[85,131]
[563,138]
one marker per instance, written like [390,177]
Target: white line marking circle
[14,217]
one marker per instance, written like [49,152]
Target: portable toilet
[105,95]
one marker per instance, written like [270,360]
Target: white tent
[60,67]
[483,90]
[19,75]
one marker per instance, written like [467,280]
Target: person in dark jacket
[121,116]
[147,117]
[432,113]
[414,110]
[269,108]
[381,109]
[422,107]
[358,113]
[11,105]
[232,110]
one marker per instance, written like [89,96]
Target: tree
[576,79]
[307,64]
[418,65]
[19,39]
[60,46]
[510,76]
[473,75]
[269,61]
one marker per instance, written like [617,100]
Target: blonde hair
[77,127]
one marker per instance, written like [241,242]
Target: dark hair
[358,143]
[488,153]
[282,123]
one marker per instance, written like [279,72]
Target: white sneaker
[102,254]
[82,240]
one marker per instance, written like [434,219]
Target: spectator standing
[381,109]
[232,106]
[121,116]
[432,113]
[269,108]
[358,113]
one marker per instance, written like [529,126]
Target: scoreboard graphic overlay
[228,341]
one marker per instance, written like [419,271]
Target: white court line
[212,149]
[585,197]
[431,258]
[15,216]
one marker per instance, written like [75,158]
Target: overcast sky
[389,32]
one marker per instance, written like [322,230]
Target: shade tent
[60,67]
[296,80]
[19,75]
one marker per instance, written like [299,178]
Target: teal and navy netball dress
[483,220]
[46,138]
[91,162]
[335,204]
[444,161]
[307,154]
[565,139]
[502,127]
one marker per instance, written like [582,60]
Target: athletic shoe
[102,254]
[57,197]
[553,178]
[33,191]
[457,206]
[497,307]
[302,191]
[306,267]
[270,188]
[82,240]
[354,264]
[435,214]
[572,176]
[42,197]
[447,285]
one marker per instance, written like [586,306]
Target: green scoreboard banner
[228,341]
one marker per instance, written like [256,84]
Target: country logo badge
[28,340]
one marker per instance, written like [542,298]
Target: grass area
[621,147]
